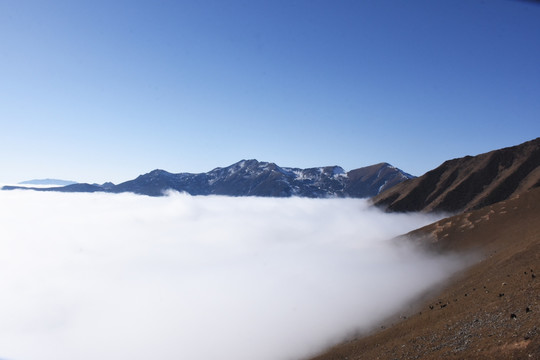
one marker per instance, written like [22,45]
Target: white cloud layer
[100,276]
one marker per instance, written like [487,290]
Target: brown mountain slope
[376,177]
[490,310]
[468,183]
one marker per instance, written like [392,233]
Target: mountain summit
[256,178]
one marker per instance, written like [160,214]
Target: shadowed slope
[468,183]
[490,310]
[374,179]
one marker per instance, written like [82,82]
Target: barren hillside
[468,183]
[489,311]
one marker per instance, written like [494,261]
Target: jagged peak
[244,162]
[156,172]
[240,164]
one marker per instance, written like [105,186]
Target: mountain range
[457,185]
[255,178]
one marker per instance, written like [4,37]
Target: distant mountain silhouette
[48,182]
[255,178]
[468,183]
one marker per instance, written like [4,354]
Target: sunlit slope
[489,311]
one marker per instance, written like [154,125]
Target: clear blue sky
[106,90]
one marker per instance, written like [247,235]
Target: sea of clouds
[103,276]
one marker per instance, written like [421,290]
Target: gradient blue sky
[106,90]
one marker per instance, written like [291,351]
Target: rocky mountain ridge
[255,178]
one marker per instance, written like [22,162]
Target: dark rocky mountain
[468,183]
[255,178]
[379,177]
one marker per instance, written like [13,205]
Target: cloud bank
[87,276]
